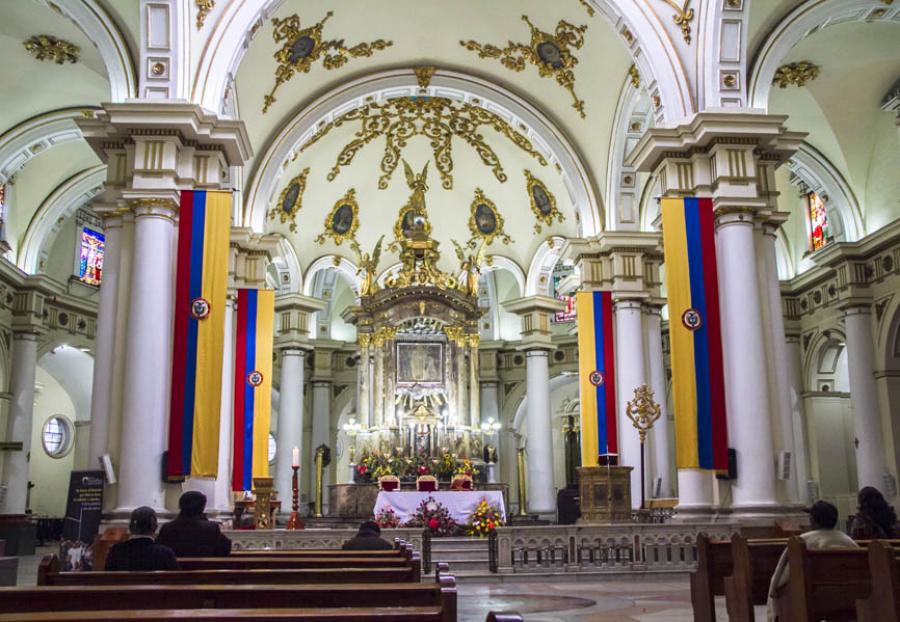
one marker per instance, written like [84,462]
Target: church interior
[570,298]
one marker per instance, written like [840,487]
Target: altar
[459,503]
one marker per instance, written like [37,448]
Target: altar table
[459,503]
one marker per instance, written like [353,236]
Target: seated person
[140,551]
[191,534]
[368,538]
[874,518]
[823,518]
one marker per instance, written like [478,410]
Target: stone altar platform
[357,501]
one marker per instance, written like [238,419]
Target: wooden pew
[883,604]
[752,565]
[153,595]
[249,563]
[823,584]
[348,614]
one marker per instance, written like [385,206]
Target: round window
[57,436]
[272,448]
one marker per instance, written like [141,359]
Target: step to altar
[467,556]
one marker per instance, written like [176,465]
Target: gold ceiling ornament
[683,17]
[470,263]
[203,9]
[643,410]
[437,118]
[424,75]
[367,267]
[797,74]
[291,200]
[551,54]
[587,7]
[543,203]
[485,221]
[343,220]
[304,46]
[635,76]
[48,47]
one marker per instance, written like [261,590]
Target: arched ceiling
[426,33]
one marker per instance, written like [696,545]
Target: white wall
[50,476]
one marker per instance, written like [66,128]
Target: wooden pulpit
[605,494]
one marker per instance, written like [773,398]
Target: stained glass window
[560,273]
[90,256]
[819,231]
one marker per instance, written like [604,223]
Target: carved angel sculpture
[470,264]
[368,267]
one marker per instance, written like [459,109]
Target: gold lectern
[605,494]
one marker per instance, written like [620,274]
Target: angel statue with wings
[368,267]
[471,263]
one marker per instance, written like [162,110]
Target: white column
[630,374]
[104,345]
[490,409]
[798,417]
[870,461]
[695,491]
[746,392]
[778,369]
[321,433]
[659,436]
[148,358]
[474,389]
[362,386]
[378,387]
[18,427]
[290,422]
[541,493]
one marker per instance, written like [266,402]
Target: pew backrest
[883,603]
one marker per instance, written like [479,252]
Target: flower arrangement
[445,465]
[484,519]
[435,517]
[466,467]
[386,519]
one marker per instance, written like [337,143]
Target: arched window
[272,448]
[817,222]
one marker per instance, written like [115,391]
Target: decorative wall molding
[795,74]
[48,47]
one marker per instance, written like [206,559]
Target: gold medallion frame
[530,182]
[291,214]
[481,199]
[339,238]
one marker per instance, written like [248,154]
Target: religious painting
[568,315]
[817,218]
[290,200]
[409,222]
[90,256]
[543,203]
[420,363]
[343,220]
[485,221]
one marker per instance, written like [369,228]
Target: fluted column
[539,444]
[16,469]
[148,353]
[747,399]
[104,345]
[870,458]
[630,374]
[656,375]
[290,420]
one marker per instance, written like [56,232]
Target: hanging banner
[596,375]
[201,284]
[252,386]
[698,383]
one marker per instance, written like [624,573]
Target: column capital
[163,205]
[771,222]
[293,311]
[626,262]
[535,312]
[251,253]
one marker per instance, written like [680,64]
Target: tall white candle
[295,457]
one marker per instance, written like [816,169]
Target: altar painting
[420,363]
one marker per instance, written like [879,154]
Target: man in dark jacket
[368,539]
[191,534]
[141,552]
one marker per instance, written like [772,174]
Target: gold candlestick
[643,412]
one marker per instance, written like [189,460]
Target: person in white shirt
[824,534]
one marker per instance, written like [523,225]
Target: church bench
[883,603]
[753,564]
[249,563]
[348,614]
[823,584]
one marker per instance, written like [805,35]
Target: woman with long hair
[875,518]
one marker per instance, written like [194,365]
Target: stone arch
[538,282]
[823,359]
[637,24]
[489,298]
[633,117]
[73,369]
[285,269]
[61,203]
[101,29]
[344,266]
[545,137]
[722,35]
[809,17]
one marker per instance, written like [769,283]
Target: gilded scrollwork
[587,7]
[437,118]
[302,47]
[47,47]
[342,221]
[797,74]
[683,17]
[543,203]
[485,221]
[552,54]
[203,9]
[290,200]
[635,76]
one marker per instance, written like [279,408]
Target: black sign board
[84,506]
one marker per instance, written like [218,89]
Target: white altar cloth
[460,503]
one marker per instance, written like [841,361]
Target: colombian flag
[596,375]
[698,381]
[252,386]
[201,283]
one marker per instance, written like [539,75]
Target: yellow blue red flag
[596,375]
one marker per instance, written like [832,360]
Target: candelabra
[643,412]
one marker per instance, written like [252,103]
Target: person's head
[823,515]
[143,522]
[192,503]
[371,527]
[875,507]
